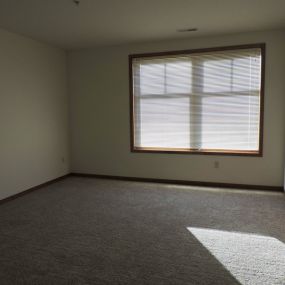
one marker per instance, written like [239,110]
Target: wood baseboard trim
[38,187]
[183,182]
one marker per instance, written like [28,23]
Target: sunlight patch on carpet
[251,259]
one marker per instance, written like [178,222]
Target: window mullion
[137,107]
[196,105]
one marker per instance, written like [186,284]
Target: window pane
[230,122]
[226,73]
[164,76]
[164,122]
[178,77]
[217,76]
[152,78]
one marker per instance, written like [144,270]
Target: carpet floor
[96,231]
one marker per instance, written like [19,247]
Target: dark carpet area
[95,231]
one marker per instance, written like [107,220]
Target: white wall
[100,117]
[33,113]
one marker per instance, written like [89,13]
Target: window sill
[197,151]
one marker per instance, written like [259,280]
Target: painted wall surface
[33,114]
[99,86]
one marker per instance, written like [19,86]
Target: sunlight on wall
[251,259]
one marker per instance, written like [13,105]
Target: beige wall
[33,114]
[100,117]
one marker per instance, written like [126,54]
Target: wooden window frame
[258,153]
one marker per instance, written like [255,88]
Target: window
[199,101]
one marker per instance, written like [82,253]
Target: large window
[199,101]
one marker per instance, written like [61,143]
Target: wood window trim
[258,153]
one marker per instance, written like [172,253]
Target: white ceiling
[111,22]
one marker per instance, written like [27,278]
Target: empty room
[142,142]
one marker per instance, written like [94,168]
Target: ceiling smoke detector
[187,30]
[76,2]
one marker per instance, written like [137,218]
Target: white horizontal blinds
[162,88]
[230,99]
[198,101]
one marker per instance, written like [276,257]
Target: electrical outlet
[63,159]
[216,164]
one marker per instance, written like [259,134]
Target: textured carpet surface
[95,231]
